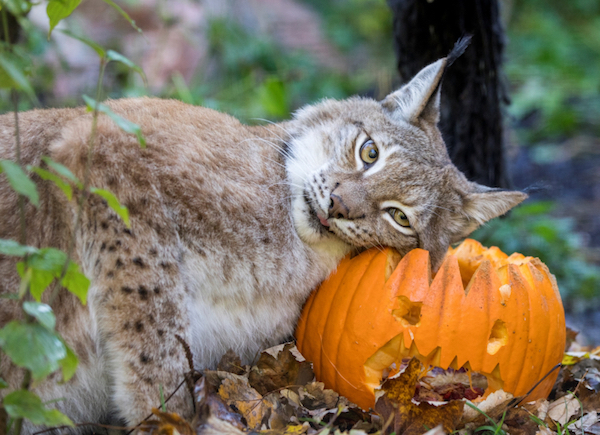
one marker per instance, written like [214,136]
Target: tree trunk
[473,93]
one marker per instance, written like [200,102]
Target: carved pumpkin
[490,313]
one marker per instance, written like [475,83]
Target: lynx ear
[420,98]
[488,203]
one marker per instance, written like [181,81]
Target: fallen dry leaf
[166,423]
[314,395]
[561,410]
[496,400]
[592,378]
[584,423]
[237,393]
[594,429]
[539,408]
[590,399]
[232,363]
[543,430]
[438,430]
[520,422]
[410,418]
[215,426]
[227,403]
[211,405]
[275,372]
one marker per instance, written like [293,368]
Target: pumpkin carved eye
[399,216]
[369,152]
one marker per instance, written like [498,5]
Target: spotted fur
[231,227]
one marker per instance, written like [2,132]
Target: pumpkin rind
[508,323]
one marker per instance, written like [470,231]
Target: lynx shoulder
[231,227]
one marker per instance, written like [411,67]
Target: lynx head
[366,173]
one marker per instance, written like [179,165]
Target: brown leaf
[408,417]
[216,426]
[166,423]
[209,406]
[315,396]
[231,362]
[236,392]
[272,373]
[292,429]
[562,409]
[571,338]
[590,399]
[438,430]
[447,415]
[495,404]
[519,422]
[585,423]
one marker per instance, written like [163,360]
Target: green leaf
[44,266]
[273,97]
[47,175]
[69,364]
[182,89]
[26,275]
[96,47]
[124,124]
[113,203]
[32,346]
[123,14]
[3,384]
[25,404]
[13,74]
[42,313]
[57,10]
[38,280]
[62,170]
[48,259]
[15,249]
[19,181]
[76,282]
[118,57]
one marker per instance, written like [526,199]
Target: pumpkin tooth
[393,259]
[505,293]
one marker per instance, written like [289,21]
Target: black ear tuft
[459,48]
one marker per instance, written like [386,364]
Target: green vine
[33,342]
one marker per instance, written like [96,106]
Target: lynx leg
[139,303]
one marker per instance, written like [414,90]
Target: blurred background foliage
[553,59]
[552,65]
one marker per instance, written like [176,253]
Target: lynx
[232,226]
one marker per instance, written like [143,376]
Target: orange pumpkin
[493,314]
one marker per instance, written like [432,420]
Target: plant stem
[5,26]
[23,228]
[15,99]
[25,386]
[86,179]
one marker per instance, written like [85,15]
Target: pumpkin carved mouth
[498,315]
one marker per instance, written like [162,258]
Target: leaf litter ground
[278,395]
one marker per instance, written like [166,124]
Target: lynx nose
[337,208]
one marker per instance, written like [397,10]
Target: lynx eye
[369,152]
[399,216]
